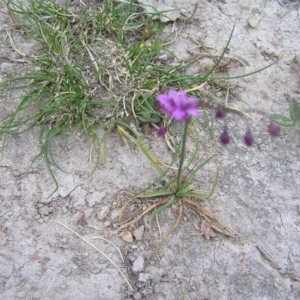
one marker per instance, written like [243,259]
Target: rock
[106,224]
[144,277]
[44,211]
[207,231]
[127,237]
[20,294]
[138,233]
[254,20]
[296,287]
[138,265]
[102,214]
[137,296]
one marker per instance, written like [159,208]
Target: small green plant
[293,120]
[98,68]
[183,109]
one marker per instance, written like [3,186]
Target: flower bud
[248,138]
[220,113]
[161,132]
[274,129]
[224,137]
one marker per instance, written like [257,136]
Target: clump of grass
[96,67]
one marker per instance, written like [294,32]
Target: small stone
[45,210]
[134,246]
[92,190]
[254,20]
[138,264]
[138,233]
[40,220]
[296,287]
[115,203]
[106,224]
[127,237]
[102,214]
[20,294]
[144,277]
[137,296]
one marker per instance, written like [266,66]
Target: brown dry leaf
[207,231]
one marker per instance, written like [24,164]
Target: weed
[100,68]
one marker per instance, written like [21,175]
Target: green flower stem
[179,174]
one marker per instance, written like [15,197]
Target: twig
[104,239]
[143,213]
[157,221]
[93,246]
[181,209]
[13,44]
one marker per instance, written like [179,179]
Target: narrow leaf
[143,148]
[162,208]
[157,193]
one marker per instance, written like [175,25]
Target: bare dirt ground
[257,194]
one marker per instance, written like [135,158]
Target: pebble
[254,20]
[138,233]
[138,264]
[102,214]
[45,210]
[144,277]
[137,296]
[127,237]
[20,294]
[106,224]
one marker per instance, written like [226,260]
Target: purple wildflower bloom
[178,105]
[161,131]
[274,129]
[248,138]
[225,138]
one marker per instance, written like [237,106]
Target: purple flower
[248,138]
[273,129]
[161,131]
[178,105]
[220,113]
[225,138]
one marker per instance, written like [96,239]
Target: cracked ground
[257,193]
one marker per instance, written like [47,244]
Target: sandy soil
[257,194]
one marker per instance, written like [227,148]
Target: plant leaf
[162,208]
[185,190]
[139,143]
[157,193]
[295,110]
[297,126]
[282,120]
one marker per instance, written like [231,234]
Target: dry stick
[13,44]
[209,217]
[265,255]
[104,239]
[98,251]
[162,202]
[157,221]
[191,220]
[181,209]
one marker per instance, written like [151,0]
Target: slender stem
[182,156]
